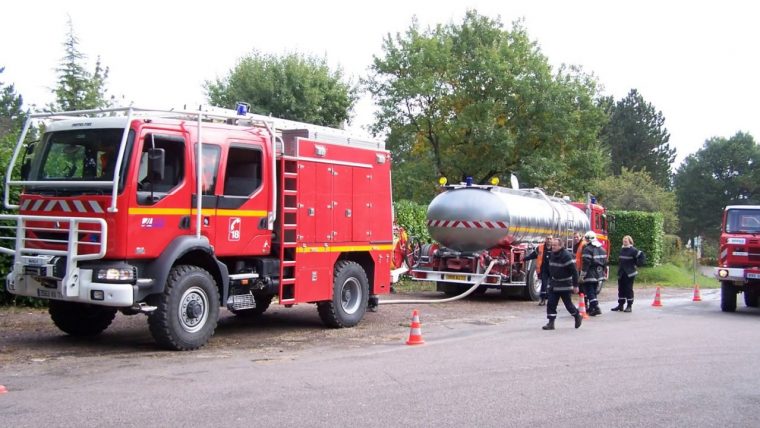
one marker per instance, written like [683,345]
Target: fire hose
[446,300]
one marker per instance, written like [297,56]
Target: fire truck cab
[177,213]
[739,256]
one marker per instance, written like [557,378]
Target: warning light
[442,181]
[495,181]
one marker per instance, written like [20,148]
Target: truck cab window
[174,167]
[243,171]
[210,168]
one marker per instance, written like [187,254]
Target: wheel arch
[365,260]
[191,251]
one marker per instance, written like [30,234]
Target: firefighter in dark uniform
[629,258]
[563,282]
[541,254]
[594,259]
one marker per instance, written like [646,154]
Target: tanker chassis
[475,225]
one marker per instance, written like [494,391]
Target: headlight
[115,275]
[722,273]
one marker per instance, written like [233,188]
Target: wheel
[188,309]
[80,319]
[532,290]
[350,296]
[413,251]
[727,297]
[450,288]
[262,304]
[751,296]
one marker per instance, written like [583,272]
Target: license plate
[35,270]
[49,294]
[455,277]
[753,275]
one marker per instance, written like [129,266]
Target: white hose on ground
[446,300]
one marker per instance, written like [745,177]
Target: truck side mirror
[156,164]
[26,166]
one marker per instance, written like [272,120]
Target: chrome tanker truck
[475,227]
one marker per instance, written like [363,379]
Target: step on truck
[176,214]
[739,256]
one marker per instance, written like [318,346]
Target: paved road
[685,364]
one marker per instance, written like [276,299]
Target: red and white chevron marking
[62,205]
[468,224]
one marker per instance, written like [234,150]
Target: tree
[77,88]
[636,191]
[638,139]
[477,100]
[291,87]
[11,114]
[723,172]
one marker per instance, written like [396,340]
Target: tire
[450,289]
[188,309]
[727,297]
[751,296]
[532,290]
[80,319]
[262,304]
[350,296]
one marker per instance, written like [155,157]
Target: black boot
[578,319]
[542,302]
[628,307]
[594,311]
[619,307]
[549,325]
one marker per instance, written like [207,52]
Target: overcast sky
[697,62]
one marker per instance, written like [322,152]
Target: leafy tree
[723,172]
[77,88]
[636,191]
[291,87]
[477,100]
[638,139]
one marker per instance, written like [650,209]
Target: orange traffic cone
[415,333]
[697,296]
[657,303]
[582,306]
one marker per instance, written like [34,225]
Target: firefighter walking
[594,259]
[563,282]
[629,258]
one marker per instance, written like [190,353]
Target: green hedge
[413,218]
[645,228]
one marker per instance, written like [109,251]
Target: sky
[696,62]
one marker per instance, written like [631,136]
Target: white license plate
[455,277]
[49,294]
[753,275]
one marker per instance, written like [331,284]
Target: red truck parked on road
[739,256]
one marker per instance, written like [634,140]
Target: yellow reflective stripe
[531,230]
[343,249]
[188,211]
[241,213]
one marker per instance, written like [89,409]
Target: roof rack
[227,116]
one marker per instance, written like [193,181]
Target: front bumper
[736,274]
[76,287]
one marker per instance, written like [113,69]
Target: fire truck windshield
[78,155]
[743,221]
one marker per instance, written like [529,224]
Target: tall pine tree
[638,139]
[77,88]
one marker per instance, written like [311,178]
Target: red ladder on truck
[288,235]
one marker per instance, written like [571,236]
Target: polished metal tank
[473,218]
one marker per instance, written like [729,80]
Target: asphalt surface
[486,362]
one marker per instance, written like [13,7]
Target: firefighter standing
[563,282]
[629,258]
[541,254]
[594,259]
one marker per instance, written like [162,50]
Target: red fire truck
[482,227]
[739,256]
[177,213]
